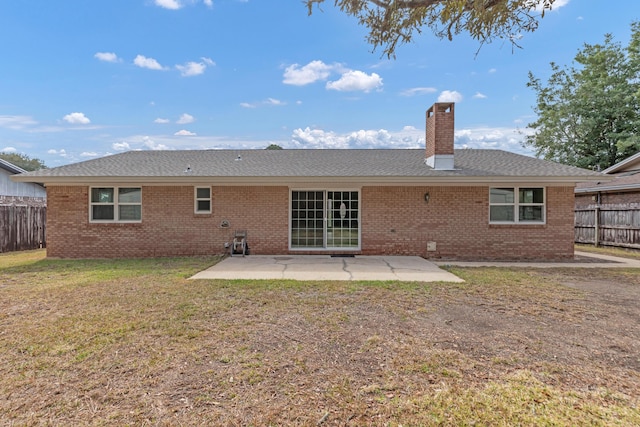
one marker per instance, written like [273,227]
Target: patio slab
[325,267]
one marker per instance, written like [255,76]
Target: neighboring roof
[10,167]
[625,181]
[271,166]
[632,162]
[623,176]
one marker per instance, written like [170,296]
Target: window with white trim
[115,204]
[202,200]
[517,205]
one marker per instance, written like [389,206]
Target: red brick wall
[169,226]
[630,198]
[395,221]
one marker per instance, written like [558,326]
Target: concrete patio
[325,267]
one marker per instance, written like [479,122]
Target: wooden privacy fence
[608,226]
[22,227]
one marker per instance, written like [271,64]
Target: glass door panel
[325,219]
[342,225]
[307,219]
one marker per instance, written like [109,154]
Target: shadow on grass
[35,262]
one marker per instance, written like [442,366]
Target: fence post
[596,237]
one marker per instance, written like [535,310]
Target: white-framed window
[517,205]
[115,204]
[202,200]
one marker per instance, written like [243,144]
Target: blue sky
[82,79]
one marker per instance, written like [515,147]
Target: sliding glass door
[327,219]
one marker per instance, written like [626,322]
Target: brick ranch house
[439,204]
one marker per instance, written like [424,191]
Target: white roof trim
[11,167]
[622,163]
[275,181]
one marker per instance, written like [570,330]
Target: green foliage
[394,22]
[274,147]
[23,161]
[589,113]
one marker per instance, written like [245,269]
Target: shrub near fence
[22,227]
[608,225]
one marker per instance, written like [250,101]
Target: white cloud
[479,95]
[312,72]
[88,154]
[356,81]
[409,137]
[509,139]
[150,63]
[177,4]
[76,119]
[273,101]
[121,146]
[168,4]
[194,68]
[9,150]
[152,145]
[418,91]
[557,4]
[62,152]
[107,57]
[184,132]
[185,119]
[16,122]
[269,101]
[450,96]
[161,120]
[492,70]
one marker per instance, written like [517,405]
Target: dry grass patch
[133,342]
[609,250]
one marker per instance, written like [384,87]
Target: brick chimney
[439,137]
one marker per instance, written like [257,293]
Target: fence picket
[616,226]
[22,227]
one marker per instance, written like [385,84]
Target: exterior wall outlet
[431,246]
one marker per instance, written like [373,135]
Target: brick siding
[623,198]
[394,221]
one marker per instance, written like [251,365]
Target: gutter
[286,180]
[627,187]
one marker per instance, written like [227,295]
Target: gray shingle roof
[379,164]
[619,182]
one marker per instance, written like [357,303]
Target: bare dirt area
[148,347]
[589,322]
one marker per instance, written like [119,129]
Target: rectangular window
[116,204]
[202,203]
[521,205]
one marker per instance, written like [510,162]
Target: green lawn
[133,342]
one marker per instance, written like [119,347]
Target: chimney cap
[440,107]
